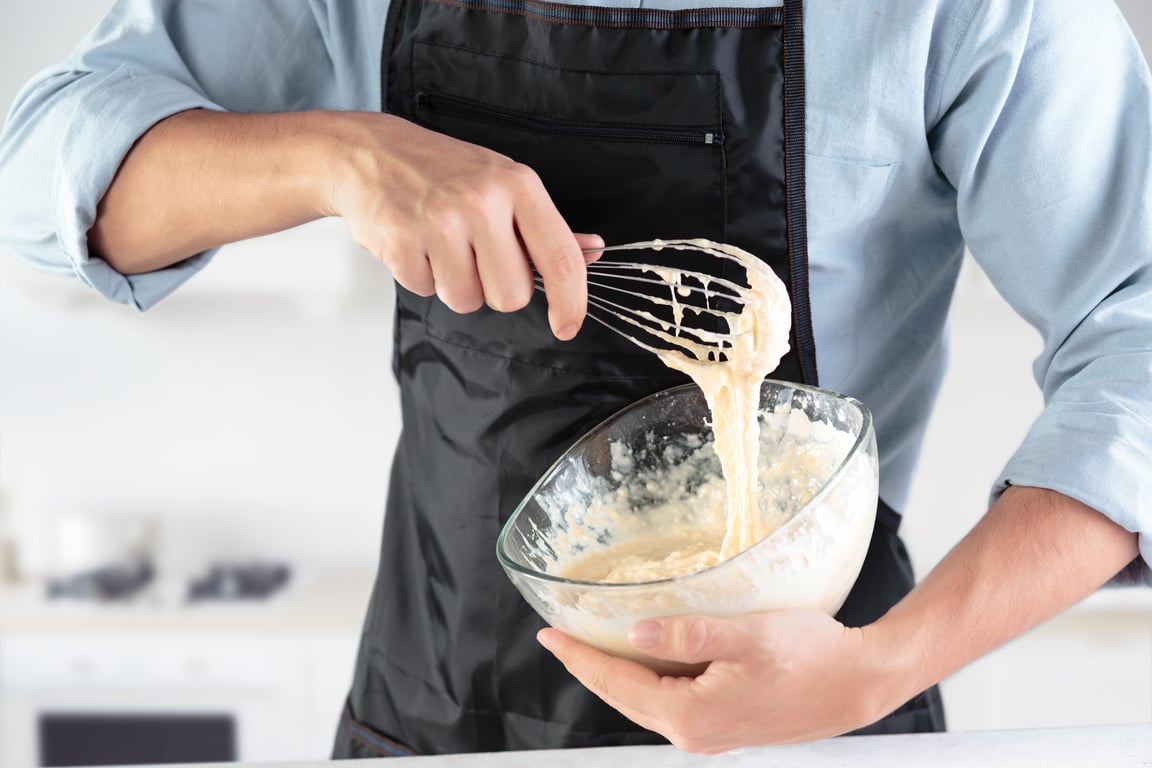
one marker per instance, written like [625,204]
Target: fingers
[484,254]
[415,274]
[635,691]
[454,267]
[667,705]
[505,272]
[503,269]
[557,256]
[690,639]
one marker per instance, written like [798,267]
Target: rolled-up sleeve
[72,125]
[1045,130]
[98,124]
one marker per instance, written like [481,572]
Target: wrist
[325,148]
[351,152]
[894,664]
[899,667]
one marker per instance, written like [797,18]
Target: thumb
[690,639]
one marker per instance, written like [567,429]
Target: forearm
[201,179]
[448,217]
[1035,553]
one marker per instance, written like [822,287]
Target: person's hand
[778,677]
[458,220]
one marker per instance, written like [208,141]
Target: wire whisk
[684,304]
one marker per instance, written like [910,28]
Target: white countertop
[1119,746]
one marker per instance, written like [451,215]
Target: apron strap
[886,575]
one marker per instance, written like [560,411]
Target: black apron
[641,124]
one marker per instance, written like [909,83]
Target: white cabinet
[277,671]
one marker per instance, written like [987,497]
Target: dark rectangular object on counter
[76,738]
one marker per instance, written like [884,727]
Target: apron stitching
[642,18]
[379,747]
[369,738]
[390,24]
[712,73]
[795,186]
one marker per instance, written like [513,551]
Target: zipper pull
[423,100]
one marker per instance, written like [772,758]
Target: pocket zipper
[454,106]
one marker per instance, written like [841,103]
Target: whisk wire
[662,308]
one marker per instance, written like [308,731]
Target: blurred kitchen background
[228,455]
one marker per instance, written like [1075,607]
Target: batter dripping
[731,388]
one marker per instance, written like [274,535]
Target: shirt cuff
[108,120]
[1089,457]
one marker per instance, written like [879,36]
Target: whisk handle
[610,248]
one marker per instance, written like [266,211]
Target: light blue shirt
[1020,128]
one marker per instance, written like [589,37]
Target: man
[857,148]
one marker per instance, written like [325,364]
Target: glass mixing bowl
[650,468]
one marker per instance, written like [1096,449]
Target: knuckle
[476,195]
[510,298]
[380,245]
[688,742]
[693,723]
[469,306]
[523,178]
[695,635]
[446,217]
[412,272]
[462,302]
[702,736]
[522,297]
[676,731]
[566,260]
[500,304]
[421,285]
[596,682]
[392,246]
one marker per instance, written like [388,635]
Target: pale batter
[731,387]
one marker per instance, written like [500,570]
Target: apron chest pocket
[625,155]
